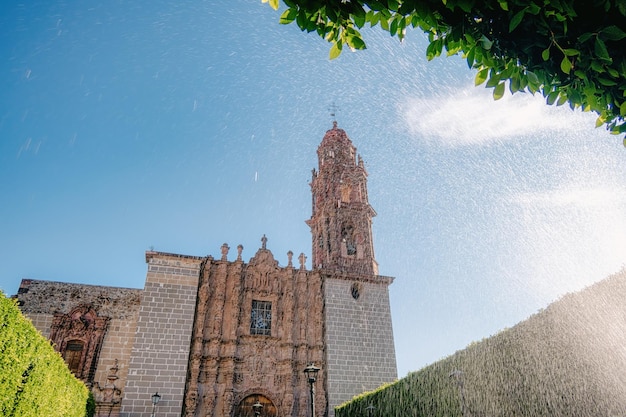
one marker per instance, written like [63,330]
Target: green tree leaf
[470,57]
[485,42]
[566,65]
[384,23]
[359,20]
[552,97]
[493,80]
[335,50]
[517,19]
[600,49]
[288,16]
[273,3]
[498,92]
[355,42]
[585,37]
[613,33]
[606,82]
[481,76]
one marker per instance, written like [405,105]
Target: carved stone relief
[236,364]
[78,337]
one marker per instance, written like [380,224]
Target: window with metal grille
[261,318]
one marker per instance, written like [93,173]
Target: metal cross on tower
[333,111]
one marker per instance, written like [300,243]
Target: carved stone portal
[257,326]
[78,337]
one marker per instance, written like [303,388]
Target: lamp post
[257,407]
[155,400]
[311,373]
[370,410]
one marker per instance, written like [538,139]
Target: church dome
[335,136]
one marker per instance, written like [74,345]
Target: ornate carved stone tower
[358,335]
[341,221]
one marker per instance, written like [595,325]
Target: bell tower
[341,220]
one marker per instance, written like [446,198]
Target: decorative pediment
[262,272]
[263,259]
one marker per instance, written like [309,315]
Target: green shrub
[91,406]
[567,360]
[35,380]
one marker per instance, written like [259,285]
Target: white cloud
[470,116]
[598,197]
[569,237]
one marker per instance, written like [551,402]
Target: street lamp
[155,400]
[311,373]
[370,410]
[257,407]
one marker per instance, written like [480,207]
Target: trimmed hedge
[34,379]
[567,360]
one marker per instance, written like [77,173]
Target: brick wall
[42,322]
[161,347]
[113,365]
[360,351]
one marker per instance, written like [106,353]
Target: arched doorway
[246,408]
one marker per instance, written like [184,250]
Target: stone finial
[264,243]
[225,250]
[289,256]
[239,250]
[302,259]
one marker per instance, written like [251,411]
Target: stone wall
[41,300]
[359,338]
[160,353]
[49,297]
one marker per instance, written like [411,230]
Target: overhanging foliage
[571,51]
[34,380]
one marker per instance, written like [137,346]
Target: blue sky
[181,126]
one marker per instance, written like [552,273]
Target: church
[218,336]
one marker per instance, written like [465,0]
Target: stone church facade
[214,336]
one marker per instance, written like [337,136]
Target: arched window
[355,290]
[347,235]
